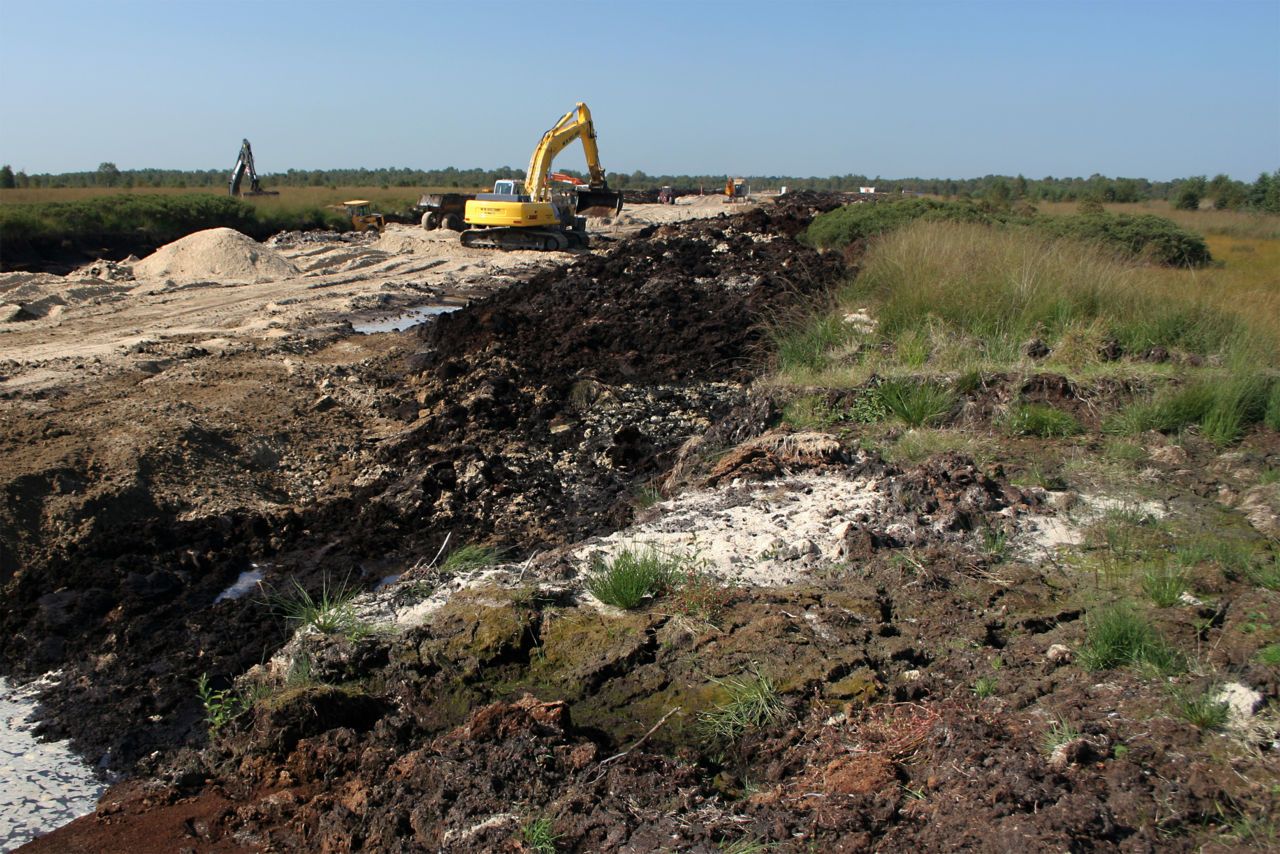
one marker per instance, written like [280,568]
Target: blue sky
[951,89]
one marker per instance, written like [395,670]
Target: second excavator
[244,165]
[534,215]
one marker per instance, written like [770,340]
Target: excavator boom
[575,124]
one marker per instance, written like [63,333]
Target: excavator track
[536,239]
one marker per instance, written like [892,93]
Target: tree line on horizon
[1222,191]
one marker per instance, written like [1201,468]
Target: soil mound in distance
[215,253]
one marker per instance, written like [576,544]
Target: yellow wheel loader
[362,216]
[530,214]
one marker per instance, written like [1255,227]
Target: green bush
[1044,421]
[1151,237]
[851,223]
[145,218]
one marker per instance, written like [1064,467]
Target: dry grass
[951,297]
[290,198]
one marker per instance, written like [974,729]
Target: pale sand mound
[216,253]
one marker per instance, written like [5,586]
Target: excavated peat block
[540,410]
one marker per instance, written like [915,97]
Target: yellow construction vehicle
[530,214]
[362,216]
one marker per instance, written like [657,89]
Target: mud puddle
[45,784]
[410,318]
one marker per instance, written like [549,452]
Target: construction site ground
[180,453]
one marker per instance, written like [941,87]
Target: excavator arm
[244,164]
[575,124]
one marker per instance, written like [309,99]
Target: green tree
[1189,193]
[7,181]
[108,174]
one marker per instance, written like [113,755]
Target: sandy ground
[78,326]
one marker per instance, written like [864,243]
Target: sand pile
[218,254]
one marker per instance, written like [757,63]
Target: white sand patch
[45,785]
[762,534]
[1047,534]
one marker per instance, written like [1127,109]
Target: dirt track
[535,421]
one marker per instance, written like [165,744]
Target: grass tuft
[332,612]
[918,403]
[1200,710]
[753,702]
[1043,421]
[1118,637]
[469,557]
[633,575]
[539,836]
[1059,733]
[1164,586]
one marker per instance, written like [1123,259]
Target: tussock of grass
[469,557]
[633,575]
[332,612]
[753,702]
[1059,733]
[1200,709]
[919,403]
[1164,586]
[1269,655]
[1119,637]
[1038,420]
[1222,407]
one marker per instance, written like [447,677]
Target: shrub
[1118,637]
[1043,421]
[918,403]
[851,223]
[221,706]
[1151,237]
[631,576]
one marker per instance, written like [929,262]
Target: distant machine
[736,189]
[244,164]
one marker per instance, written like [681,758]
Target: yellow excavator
[530,214]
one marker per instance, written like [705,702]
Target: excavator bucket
[598,201]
